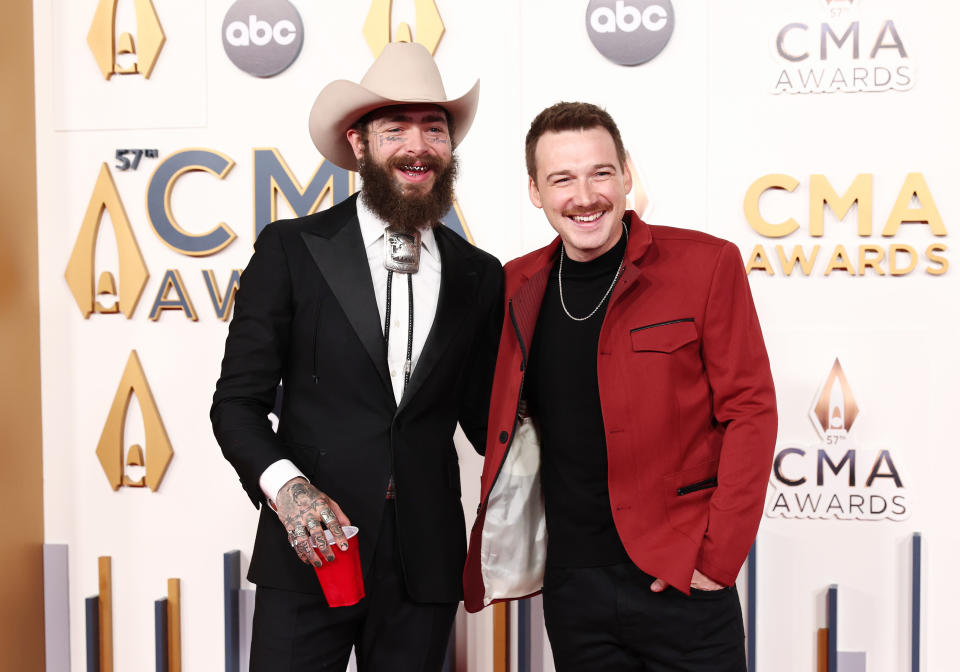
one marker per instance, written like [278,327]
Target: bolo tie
[401,255]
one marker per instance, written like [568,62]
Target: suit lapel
[458,287]
[342,260]
[524,306]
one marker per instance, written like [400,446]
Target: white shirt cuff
[275,477]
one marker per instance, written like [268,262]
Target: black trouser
[298,631]
[607,618]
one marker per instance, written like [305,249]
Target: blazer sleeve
[252,364]
[479,377]
[744,403]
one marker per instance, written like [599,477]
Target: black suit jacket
[306,315]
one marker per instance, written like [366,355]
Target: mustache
[431,162]
[587,210]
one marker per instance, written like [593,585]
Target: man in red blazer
[637,352]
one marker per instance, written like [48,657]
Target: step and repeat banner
[818,135]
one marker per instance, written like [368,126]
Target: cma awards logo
[836,478]
[128,466]
[125,55]
[117,290]
[783,208]
[843,50]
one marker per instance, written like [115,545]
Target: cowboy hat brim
[341,103]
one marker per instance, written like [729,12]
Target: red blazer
[687,399]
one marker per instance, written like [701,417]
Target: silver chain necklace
[563,253]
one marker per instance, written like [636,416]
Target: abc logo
[260,33]
[630,32]
[262,37]
[628,18]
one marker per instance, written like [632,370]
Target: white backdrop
[702,124]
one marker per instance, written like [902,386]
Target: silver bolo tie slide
[402,250]
[401,255]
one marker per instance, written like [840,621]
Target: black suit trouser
[607,618]
[300,632]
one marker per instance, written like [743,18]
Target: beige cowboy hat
[403,73]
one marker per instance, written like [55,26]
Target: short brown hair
[570,117]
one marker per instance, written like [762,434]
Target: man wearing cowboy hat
[382,326]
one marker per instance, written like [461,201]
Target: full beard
[406,207]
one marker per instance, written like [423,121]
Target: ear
[355,139]
[534,193]
[627,178]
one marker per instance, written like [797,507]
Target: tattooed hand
[305,512]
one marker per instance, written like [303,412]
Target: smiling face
[582,187]
[411,141]
[407,165]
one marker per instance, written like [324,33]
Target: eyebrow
[567,171]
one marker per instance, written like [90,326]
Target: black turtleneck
[562,393]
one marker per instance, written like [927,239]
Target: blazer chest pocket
[665,337]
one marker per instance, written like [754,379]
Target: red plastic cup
[342,579]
